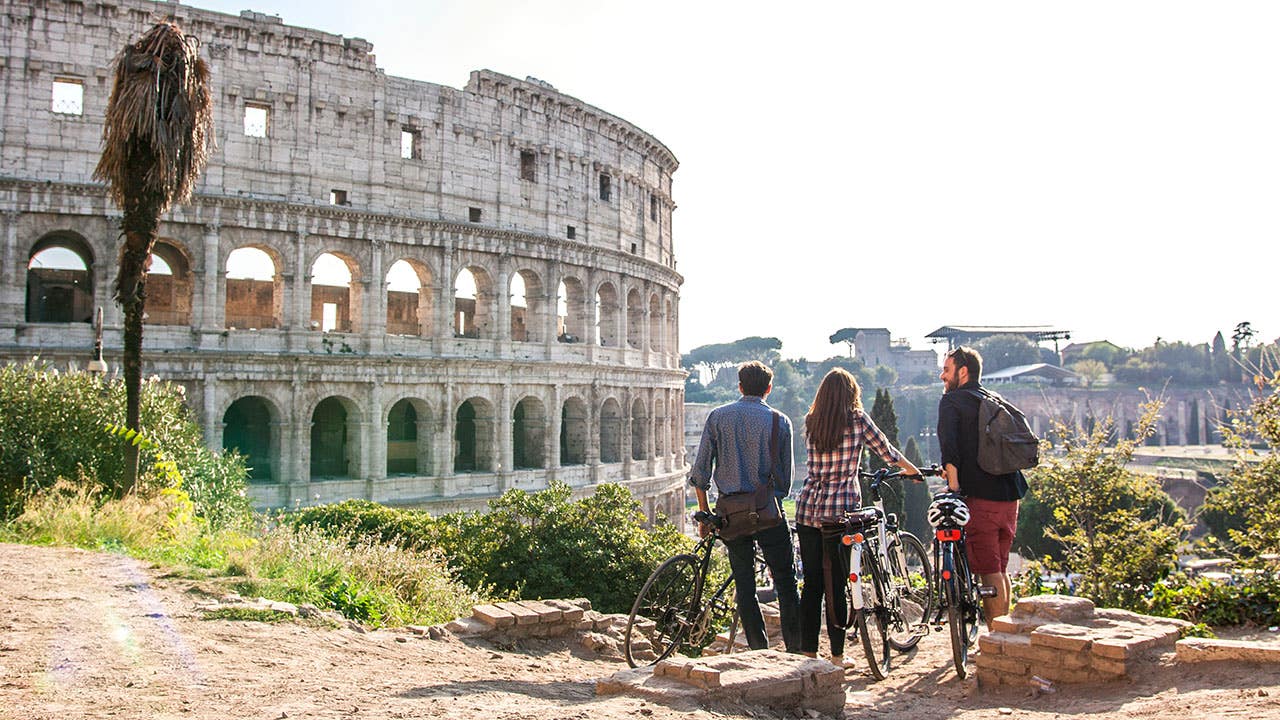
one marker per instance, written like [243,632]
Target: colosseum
[383,288]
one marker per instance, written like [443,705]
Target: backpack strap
[774,471]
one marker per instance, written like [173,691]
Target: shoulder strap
[773,448]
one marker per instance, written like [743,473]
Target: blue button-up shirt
[734,450]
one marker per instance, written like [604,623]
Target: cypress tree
[916,497]
[885,418]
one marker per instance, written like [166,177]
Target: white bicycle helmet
[948,511]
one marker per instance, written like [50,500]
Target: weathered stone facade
[562,363]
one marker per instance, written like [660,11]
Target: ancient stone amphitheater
[384,288]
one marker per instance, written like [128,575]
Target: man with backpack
[985,445]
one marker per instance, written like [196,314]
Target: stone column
[376,438]
[551,305]
[445,426]
[209,409]
[501,334]
[297,471]
[104,271]
[1184,419]
[212,284]
[297,319]
[592,458]
[627,399]
[445,315]
[553,436]
[12,273]
[375,300]
[502,424]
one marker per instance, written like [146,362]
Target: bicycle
[889,590]
[670,611]
[959,594]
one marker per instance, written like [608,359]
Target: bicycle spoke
[663,612]
[872,622]
[912,592]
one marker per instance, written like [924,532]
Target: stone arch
[655,323]
[571,323]
[255,289]
[335,297]
[635,320]
[528,319]
[410,303]
[408,424]
[60,279]
[473,437]
[529,434]
[610,431]
[335,438]
[574,426]
[472,302]
[250,427]
[606,315]
[169,285]
[639,430]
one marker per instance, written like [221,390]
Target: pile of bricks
[1065,639]
[509,622]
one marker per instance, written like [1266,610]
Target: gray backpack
[1005,441]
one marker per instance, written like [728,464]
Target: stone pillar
[551,306]
[627,399]
[445,427]
[209,409]
[297,470]
[445,314]
[297,317]
[212,284]
[553,435]
[502,424]
[592,458]
[104,271]
[376,437]
[375,295]
[1184,418]
[12,273]
[501,334]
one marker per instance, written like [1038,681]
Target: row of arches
[61,277]
[251,426]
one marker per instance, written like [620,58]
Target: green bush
[54,425]
[529,545]
[1252,599]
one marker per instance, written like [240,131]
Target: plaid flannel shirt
[831,489]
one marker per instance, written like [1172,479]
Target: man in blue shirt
[734,452]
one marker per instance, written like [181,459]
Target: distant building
[875,346]
[955,335]
[1042,373]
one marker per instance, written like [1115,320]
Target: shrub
[54,426]
[1254,598]
[1244,510]
[530,545]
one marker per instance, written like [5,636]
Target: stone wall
[502,178]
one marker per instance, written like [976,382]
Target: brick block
[676,668]
[1065,675]
[493,616]
[569,612]
[1113,648]
[521,614]
[1013,626]
[1108,666]
[1038,657]
[1061,637]
[991,643]
[1058,607]
[703,676]
[546,613]
[1003,664]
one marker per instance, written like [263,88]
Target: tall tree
[1223,367]
[157,135]
[1006,351]
[915,499]
[883,415]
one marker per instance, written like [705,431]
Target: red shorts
[989,534]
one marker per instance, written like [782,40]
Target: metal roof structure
[960,334]
[1035,370]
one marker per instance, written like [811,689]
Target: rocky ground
[91,635]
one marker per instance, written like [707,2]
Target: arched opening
[606,319]
[60,280]
[408,438]
[570,325]
[529,434]
[635,319]
[247,429]
[573,432]
[610,432]
[473,437]
[471,298]
[253,290]
[659,428]
[169,286]
[408,307]
[639,431]
[332,300]
[519,309]
[528,301]
[334,440]
[655,323]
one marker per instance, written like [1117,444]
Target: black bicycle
[959,593]
[889,588]
[674,609]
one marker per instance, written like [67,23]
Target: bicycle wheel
[872,620]
[663,611]
[910,575]
[962,615]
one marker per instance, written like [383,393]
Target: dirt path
[91,635]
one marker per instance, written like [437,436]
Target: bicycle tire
[668,599]
[963,613]
[871,621]
[911,576]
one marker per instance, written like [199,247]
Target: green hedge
[1252,599]
[529,545]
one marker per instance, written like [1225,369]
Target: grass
[372,583]
[246,614]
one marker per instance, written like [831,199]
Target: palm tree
[156,138]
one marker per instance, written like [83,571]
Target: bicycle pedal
[986,591]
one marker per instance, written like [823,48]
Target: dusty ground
[89,635]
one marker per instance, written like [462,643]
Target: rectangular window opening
[572,232]
[473,214]
[529,165]
[68,96]
[328,317]
[338,197]
[653,207]
[633,248]
[606,190]
[255,120]
[411,144]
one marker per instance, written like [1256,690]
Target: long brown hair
[837,397]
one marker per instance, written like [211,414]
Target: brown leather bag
[747,513]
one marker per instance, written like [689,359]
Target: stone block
[493,615]
[704,676]
[1002,664]
[520,614]
[1038,657]
[676,668]
[546,613]
[1014,626]
[1196,650]
[569,612]
[1066,675]
[1060,636]
[1109,666]
[1113,648]
[1058,607]
[991,643]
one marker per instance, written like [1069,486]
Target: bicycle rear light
[846,539]
[946,574]
[948,535]
[853,577]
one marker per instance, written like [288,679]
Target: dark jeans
[812,547]
[775,545]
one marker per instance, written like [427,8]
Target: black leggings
[811,615]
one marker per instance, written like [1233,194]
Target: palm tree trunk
[140,225]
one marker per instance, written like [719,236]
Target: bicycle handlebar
[708,518]
[879,476]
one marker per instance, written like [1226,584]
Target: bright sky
[1110,168]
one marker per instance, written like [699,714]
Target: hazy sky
[1110,168]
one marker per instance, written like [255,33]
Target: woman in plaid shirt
[835,429]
